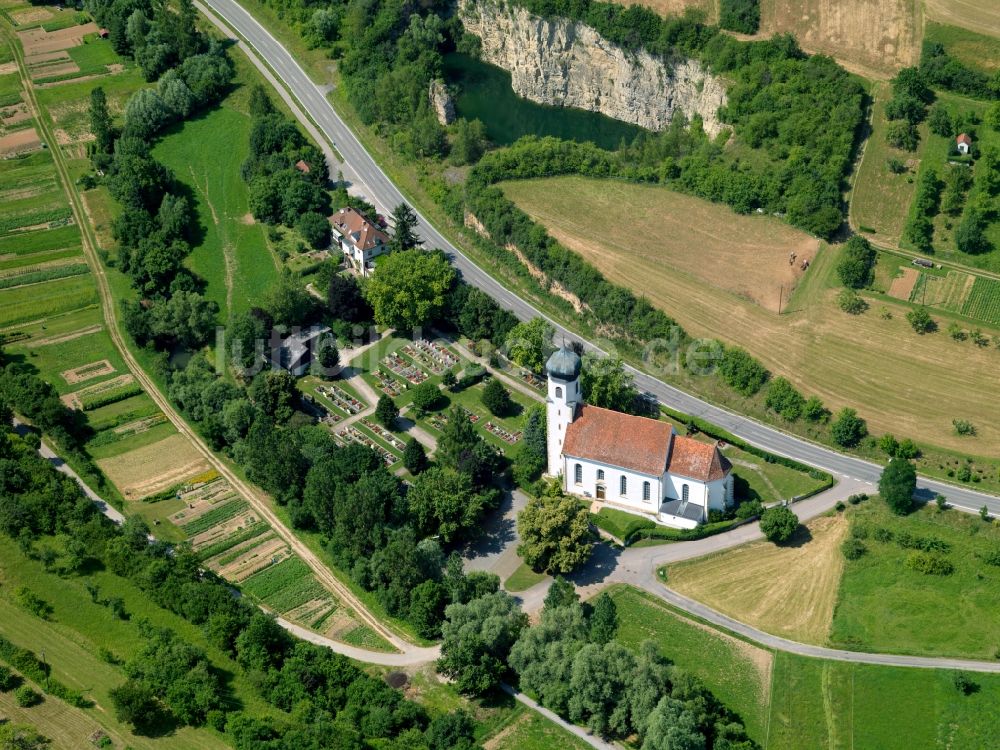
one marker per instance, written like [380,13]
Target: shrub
[315,229]
[814,411]
[778,523]
[848,429]
[858,498]
[851,302]
[853,548]
[930,563]
[426,397]
[26,697]
[964,684]
[840,506]
[984,513]
[963,427]
[742,372]
[784,399]
[749,509]
[7,679]
[496,398]
[895,166]
[941,501]
[920,320]
[859,531]
[882,534]
[902,134]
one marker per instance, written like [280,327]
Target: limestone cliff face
[441,102]
[567,63]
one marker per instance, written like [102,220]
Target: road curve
[380,190]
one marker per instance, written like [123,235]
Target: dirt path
[256,498]
[228,257]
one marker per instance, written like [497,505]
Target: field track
[260,502]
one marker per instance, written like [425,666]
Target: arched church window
[559,391]
[578,474]
[623,485]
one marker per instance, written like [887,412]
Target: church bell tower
[563,372]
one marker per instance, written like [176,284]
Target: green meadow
[794,702]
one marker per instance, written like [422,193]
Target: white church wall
[633,496]
[697,491]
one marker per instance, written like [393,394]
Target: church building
[632,463]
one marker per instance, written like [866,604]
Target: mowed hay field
[872,37]
[788,590]
[153,468]
[900,382]
[982,16]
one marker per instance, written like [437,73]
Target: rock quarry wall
[567,63]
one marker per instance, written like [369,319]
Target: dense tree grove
[942,70]
[573,667]
[740,15]
[322,701]
[153,227]
[285,174]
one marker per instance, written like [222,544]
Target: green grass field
[94,55]
[40,241]
[52,360]
[10,89]
[523,579]
[813,703]
[205,154]
[885,606]
[29,303]
[975,50]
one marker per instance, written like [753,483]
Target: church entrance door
[600,492]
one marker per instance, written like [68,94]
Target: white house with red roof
[634,463]
[963,143]
[360,240]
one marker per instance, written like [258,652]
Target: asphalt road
[380,190]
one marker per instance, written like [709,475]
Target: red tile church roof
[610,437]
[696,460]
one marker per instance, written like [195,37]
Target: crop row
[43,274]
[30,218]
[275,578]
[296,594]
[215,516]
[110,396]
[984,301]
[41,240]
[217,548]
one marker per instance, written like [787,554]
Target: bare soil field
[227,528]
[677,7]
[902,285]
[788,590]
[900,382]
[19,142]
[39,41]
[257,556]
[982,16]
[31,15]
[747,256]
[154,468]
[874,37]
